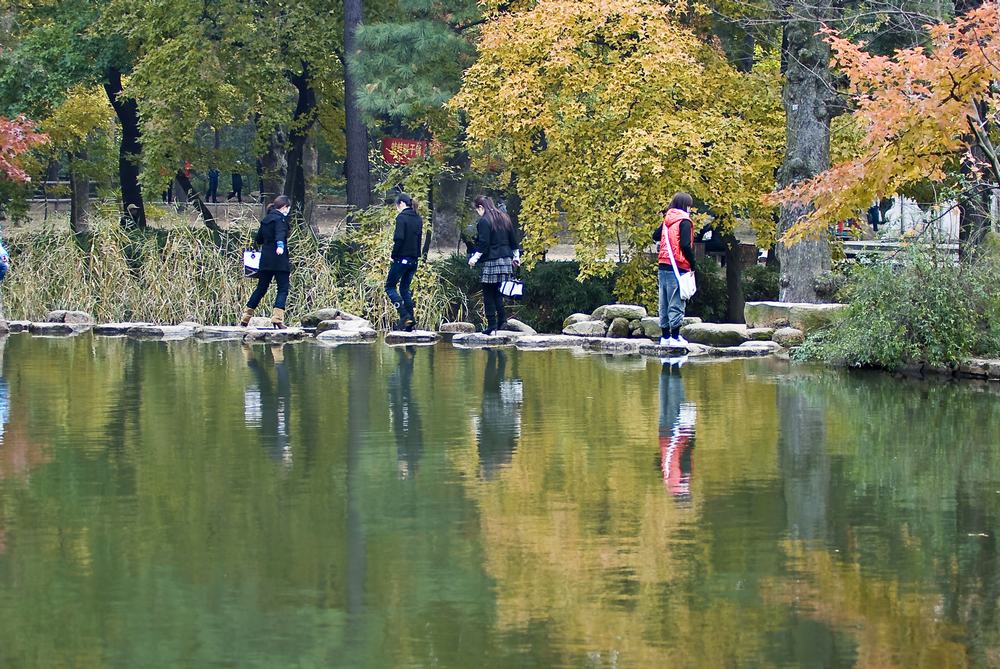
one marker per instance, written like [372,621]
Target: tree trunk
[79,204]
[310,170]
[734,281]
[192,196]
[449,204]
[128,151]
[809,100]
[274,167]
[302,123]
[356,167]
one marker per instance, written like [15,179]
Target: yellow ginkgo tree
[605,109]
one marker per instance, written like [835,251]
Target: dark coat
[273,229]
[495,244]
[408,234]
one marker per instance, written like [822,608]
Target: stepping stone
[416,337]
[750,349]
[18,326]
[656,351]
[58,329]
[337,337]
[116,329]
[162,332]
[542,342]
[480,340]
[272,336]
[614,345]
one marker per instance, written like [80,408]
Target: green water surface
[213,505]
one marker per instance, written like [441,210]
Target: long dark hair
[681,201]
[497,219]
[407,200]
[279,202]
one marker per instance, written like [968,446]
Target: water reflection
[677,433]
[498,425]
[266,400]
[404,414]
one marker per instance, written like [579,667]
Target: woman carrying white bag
[675,238]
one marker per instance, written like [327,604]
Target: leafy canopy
[604,109]
[919,110]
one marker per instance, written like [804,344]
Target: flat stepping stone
[273,336]
[18,326]
[980,368]
[750,349]
[480,340]
[116,329]
[162,332]
[654,350]
[614,344]
[337,337]
[415,337]
[542,342]
[58,329]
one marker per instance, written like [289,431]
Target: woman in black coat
[272,240]
[498,246]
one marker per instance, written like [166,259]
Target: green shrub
[760,284]
[710,303]
[916,307]
[551,292]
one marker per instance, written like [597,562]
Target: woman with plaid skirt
[498,248]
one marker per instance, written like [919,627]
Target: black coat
[273,229]
[407,235]
[495,244]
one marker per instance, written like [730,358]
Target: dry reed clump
[159,276]
[187,273]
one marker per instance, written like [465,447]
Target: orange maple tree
[16,137]
[919,110]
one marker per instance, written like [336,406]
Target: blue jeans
[401,273]
[671,305]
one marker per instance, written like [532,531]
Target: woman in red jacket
[675,238]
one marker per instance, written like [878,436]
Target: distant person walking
[272,240]
[675,240]
[498,247]
[237,187]
[406,241]
[213,185]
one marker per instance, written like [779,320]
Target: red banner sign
[398,151]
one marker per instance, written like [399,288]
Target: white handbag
[251,263]
[687,283]
[512,288]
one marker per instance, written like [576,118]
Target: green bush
[551,292]
[915,308]
[760,284]
[711,301]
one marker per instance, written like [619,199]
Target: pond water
[210,504]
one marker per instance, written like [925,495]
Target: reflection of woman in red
[677,426]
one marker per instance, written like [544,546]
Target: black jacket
[273,229]
[495,244]
[407,236]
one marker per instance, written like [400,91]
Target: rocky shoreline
[772,329]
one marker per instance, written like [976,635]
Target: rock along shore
[772,328]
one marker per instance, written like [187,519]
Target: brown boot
[278,318]
[247,315]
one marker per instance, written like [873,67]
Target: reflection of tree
[677,433]
[498,425]
[404,414]
[267,402]
[805,463]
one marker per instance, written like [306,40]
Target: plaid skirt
[497,270]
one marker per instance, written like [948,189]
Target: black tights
[493,304]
